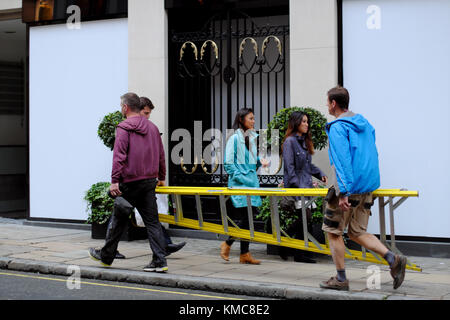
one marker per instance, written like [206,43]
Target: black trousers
[296,231]
[166,235]
[139,194]
[243,223]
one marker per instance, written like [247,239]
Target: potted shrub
[288,218]
[100,207]
[107,133]
[317,220]
[317,123]
[107,128]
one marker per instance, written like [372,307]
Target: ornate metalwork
[183,167]
[227,69]
[255,46]
[198,179]
[183,47]
[214,45]
[205,170]
[279,166]
[266,41]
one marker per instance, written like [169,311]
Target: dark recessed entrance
[13,122]
[223,56]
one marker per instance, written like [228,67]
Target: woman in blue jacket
[299,170]
[241,163]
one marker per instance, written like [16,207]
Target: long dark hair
[294,121]
[239,123]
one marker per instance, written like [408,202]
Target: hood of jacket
[352,121]
[137,124]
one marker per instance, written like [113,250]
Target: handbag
[287,203]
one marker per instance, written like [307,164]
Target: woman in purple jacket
[299,170]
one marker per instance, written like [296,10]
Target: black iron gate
[233,61]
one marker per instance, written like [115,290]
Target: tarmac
[51,250]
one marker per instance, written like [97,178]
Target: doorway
[13,118]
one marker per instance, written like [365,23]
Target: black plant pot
[317,232]
[131,232]
[136,233]
[98,231]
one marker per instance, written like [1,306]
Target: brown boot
[398,270]
[335,284]
[225,251]
[247,258]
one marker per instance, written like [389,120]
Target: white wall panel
[76,78]
[399,79]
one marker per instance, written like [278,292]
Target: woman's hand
[264,163]
[325,179]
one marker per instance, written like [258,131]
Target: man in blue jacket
[354,159]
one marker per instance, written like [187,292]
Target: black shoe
[283,252]
[154,267]
[150,267]
[119,255]
[95,255]
[302,258]
[171,248]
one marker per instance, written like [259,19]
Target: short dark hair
[146,102]
[340,95]
[131,100]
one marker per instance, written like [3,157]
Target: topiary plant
[107,128]
[317,122]
[100,204]
[286,218]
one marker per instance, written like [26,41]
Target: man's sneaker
[162,269]
[95,255]
[171,248]
[398,270]
[150,267]
[119,255]
[335,284]
[153,267]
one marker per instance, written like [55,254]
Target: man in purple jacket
[138,167]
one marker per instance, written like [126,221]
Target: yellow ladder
[278,236]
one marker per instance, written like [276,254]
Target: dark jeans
[166,235]
[139,194]
[243,224]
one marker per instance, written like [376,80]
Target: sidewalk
[199,266]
